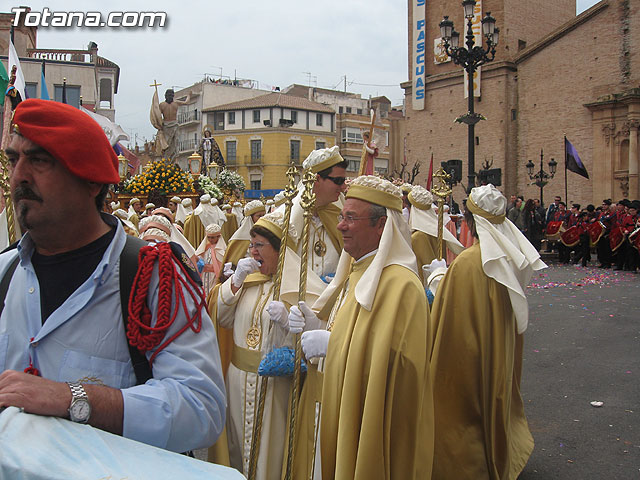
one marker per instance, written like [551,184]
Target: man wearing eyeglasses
[377,414]
[325,242]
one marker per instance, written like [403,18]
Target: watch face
[80,411]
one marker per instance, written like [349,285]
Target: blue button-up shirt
[181,408]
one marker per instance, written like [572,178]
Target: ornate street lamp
[470,58]
[541,177]
[122,167]
[195,162]
[212,170]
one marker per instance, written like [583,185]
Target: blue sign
[265,193]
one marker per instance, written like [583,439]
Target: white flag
[13,60]
[113,131]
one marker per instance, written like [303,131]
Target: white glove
[300,316]
[227,271]
[278,313]
[315,343]
[244,268]
[435,264]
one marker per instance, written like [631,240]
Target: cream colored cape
[476,363]
[509,258]
[427,221]
[377,417]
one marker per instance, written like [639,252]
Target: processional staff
[289,194]
[307,202]
[6,191]
[441,190]
[4,161]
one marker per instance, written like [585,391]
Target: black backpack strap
[6,280]
[128,270]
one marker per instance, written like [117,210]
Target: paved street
[583,345]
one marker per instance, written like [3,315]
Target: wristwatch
[80,409]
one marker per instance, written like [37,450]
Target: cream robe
[236,311]
[377,411]
[476,364]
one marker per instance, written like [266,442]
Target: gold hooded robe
[476,363]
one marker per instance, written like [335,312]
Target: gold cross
[155,84]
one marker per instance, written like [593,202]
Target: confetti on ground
[594,278]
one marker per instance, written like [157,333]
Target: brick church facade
[554,74]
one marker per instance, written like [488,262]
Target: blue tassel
[430,296]
[279,362]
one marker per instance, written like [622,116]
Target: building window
[320,145]
[353,166]
[381,166]
[514,115]
[294,116]
[352,135]
[256,184]
[348,109]
[231,151]
[105,92]
[319,119]
[232,118]
[340,109]
[295,151]
[256,116]
[359,111]
[73,95]
[256,149]
[30,90]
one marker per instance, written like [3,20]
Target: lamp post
[122,167]
[470,58]
[195,162]
[212,170]
[541,177]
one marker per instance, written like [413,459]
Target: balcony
[188,117]
[188,145]
[253,159]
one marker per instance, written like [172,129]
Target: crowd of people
[175,325]
[610,230]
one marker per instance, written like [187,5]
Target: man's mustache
[25,193]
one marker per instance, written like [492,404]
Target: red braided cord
[139,330]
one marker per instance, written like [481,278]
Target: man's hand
[34,394]
[302,318]
[45,397]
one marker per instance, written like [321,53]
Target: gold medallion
[253,337]
[319,248]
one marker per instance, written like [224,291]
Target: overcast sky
[273,42]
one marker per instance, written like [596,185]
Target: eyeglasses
[350,218]
[336,180]
[257,245]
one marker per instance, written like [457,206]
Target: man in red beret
[63,347]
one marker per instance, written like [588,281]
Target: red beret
[72,137]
